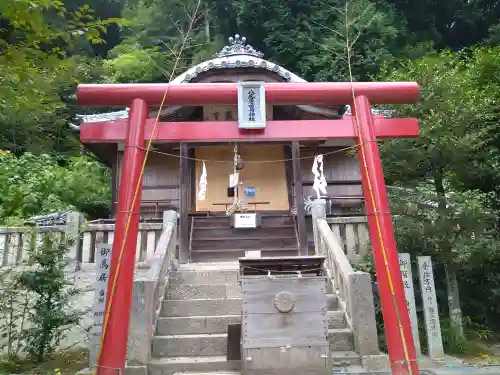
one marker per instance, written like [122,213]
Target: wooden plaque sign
[251,105]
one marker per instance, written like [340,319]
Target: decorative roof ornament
[238,46]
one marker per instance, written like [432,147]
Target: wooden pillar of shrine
[299,199]
[185,192]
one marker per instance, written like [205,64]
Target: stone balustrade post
[362,311]
[74,221]
[4,249]
[318,211]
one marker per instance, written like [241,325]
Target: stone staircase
[200,302]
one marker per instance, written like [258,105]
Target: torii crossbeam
[228,131]
[138,129]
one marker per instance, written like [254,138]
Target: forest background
[444,186]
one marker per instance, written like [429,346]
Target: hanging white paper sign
[203,183]
[319,184]
[234,179]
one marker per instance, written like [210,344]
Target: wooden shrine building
[275,182]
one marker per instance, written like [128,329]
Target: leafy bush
[14,306]
[480,292]
[35,184]
[36,305]
[134,65]
[50,315]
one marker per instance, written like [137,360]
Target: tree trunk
[453,299]
[445,245]
[207,24]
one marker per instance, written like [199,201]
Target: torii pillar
[385,255]
[138,130]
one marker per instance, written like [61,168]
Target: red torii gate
[138,129]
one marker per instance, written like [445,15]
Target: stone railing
[352,233]
[147,240]
[147,294]
[15,243]
[353,288]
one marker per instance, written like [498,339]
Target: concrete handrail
[353,288]
[148,291]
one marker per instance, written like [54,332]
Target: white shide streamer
[319,184]
[203,183]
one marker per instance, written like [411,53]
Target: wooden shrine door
[267,180]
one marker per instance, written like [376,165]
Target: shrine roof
[237,54]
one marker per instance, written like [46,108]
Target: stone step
[196,324]
[190,345]
[204,276]
[173,365]
[345,358]
[336,319]
[219,306]
[211,266]
[202,291]
[218,255]
[341,340]
[332,302]
[218,324]
[201,307]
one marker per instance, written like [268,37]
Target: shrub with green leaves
[15,303]
[36,184]
[51,314]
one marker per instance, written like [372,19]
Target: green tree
[30,185]
[494,35]
[36,41]
[159,36]
[368,31]
[308,36]
[449,23]
[458,123]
